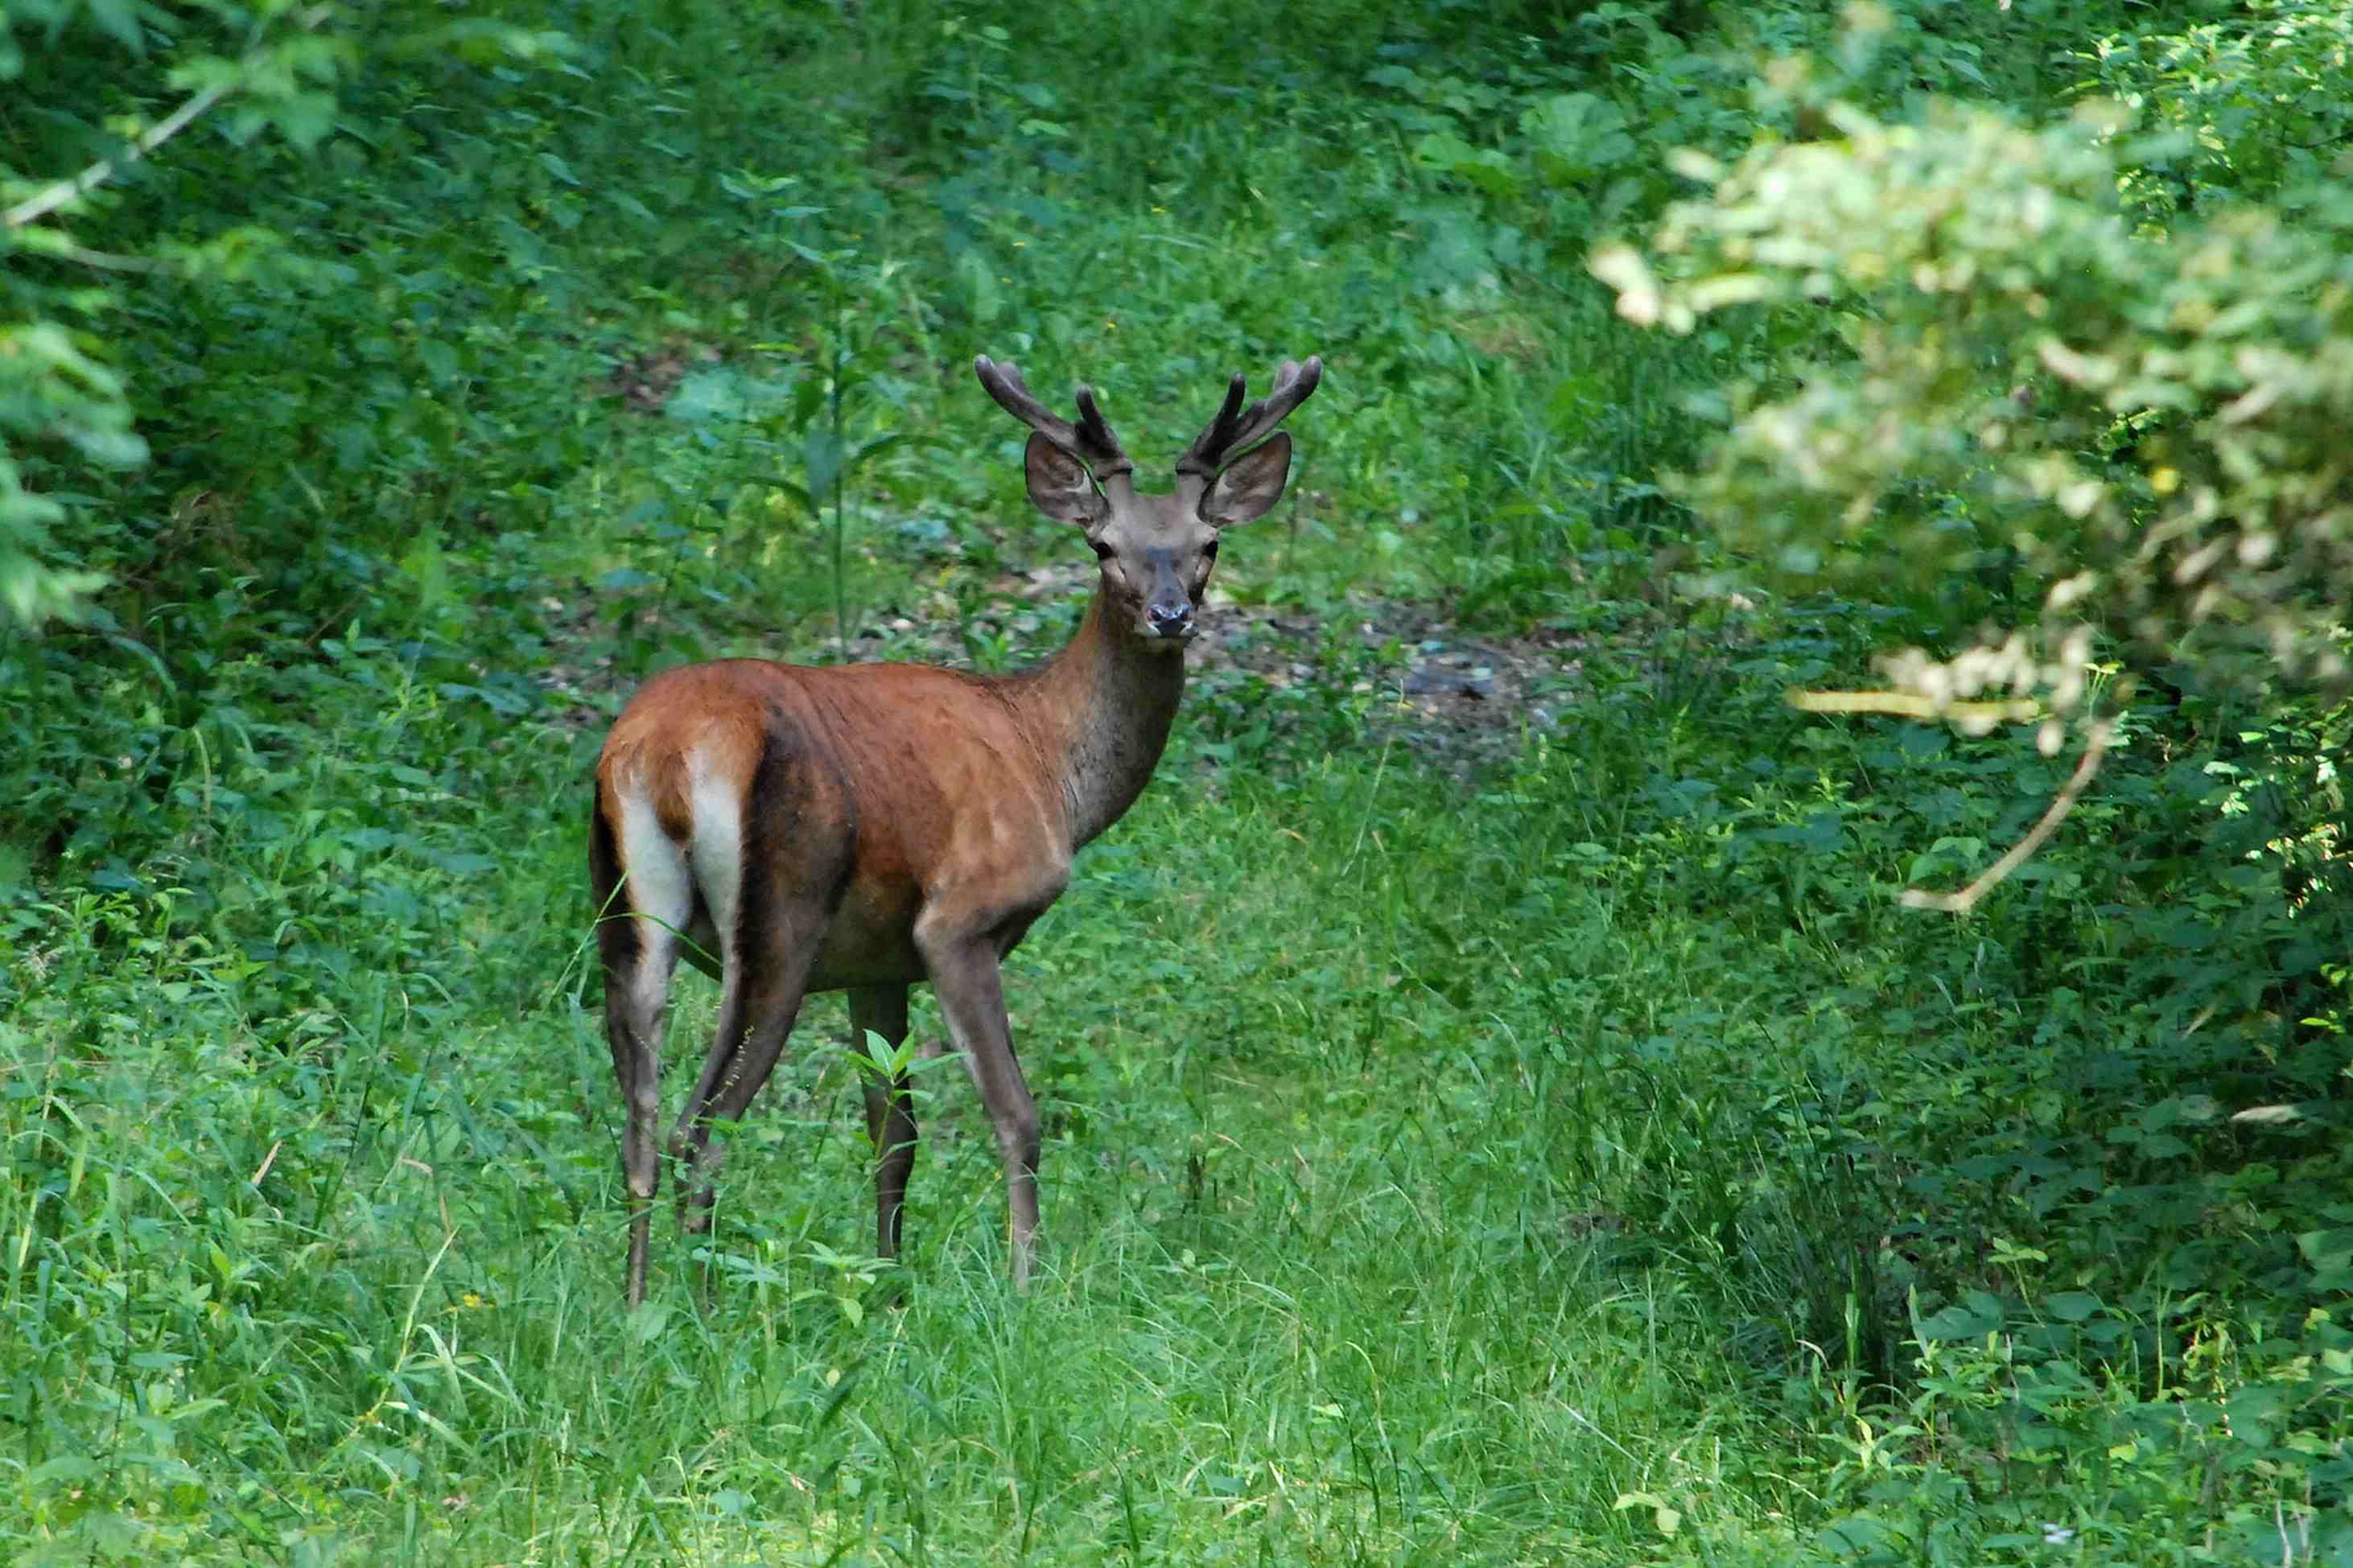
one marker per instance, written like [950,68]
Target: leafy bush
[2143,425]
[2251,103]
[2038,398]
[83,123]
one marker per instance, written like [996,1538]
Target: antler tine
[1012,393]
[1235,427]
[1090,440]
[1209,447]
[1104,453]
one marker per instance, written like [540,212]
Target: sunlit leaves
[2149,424]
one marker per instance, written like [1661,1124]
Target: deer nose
[1172,619]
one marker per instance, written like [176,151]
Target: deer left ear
[1251,485]
[1059,485]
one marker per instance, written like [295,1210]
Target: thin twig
[2095,748]
[105,169]
[106,260]
[1911,705]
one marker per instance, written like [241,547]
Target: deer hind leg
[757,1013]
[770,903]
[889,1119]
[644,900]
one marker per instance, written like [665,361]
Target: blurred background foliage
[1567,1148]
[2135,416]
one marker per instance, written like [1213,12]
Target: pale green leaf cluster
[50,388]
[2151,422]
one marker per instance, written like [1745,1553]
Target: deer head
[1157,551]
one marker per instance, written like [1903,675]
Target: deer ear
[1251,485]
[1059,484]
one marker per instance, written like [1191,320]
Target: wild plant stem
[841,522]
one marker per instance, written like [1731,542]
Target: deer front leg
[889,1119]
[971,991]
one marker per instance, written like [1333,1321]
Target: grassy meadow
[1498,1111]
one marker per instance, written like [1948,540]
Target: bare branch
[1911,705]
[49,201]
[2095,749]
[106,260]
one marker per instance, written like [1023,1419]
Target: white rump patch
[659,892]
[718,849]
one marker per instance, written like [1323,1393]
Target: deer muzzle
[1168,607]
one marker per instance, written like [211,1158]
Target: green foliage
[2041,407]
[2252,103]
[2144,425]
[1512,1131]
[78,129]
[83,242]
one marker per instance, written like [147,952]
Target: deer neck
[1100,711]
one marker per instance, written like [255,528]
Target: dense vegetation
[1500,1109]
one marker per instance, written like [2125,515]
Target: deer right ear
[1059,484]
[1251,485]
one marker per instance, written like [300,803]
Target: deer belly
[869,941]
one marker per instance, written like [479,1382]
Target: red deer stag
[862,828]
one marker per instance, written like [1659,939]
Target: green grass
[1431,1176]
[1312,1291]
